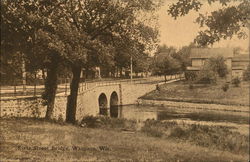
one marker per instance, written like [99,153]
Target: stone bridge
[97,98]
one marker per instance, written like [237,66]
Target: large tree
[223,23]
[22,27]
[103,21]
[164,62]
[72,33]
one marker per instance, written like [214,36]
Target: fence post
[14,88]
[65,86]
[82,85]
[35,86]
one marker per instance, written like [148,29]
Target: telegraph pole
[24,76]
[248,25]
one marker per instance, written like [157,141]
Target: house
[239,65]
[236,64]
[198,57]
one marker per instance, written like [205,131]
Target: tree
[101,21]
[206,74]
[22,24]
[221,24]
[164,63]
[246,73]
[212,68]
[72,33]
[141,64]
[183,56]
[218,65]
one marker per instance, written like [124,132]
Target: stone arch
[103,104]
[114,105]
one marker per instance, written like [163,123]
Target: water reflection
[142,113]
[136,113]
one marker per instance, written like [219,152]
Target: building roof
[242,57]
[211,52]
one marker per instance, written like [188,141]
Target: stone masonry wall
[22,107]
[31,107]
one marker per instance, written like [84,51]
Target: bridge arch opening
[114,105]
[103,104]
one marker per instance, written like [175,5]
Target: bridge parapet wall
[87,102]
[131,92]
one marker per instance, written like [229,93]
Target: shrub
[236,82]
[191,86]
[206,76]
[177,132]
[190,75]
[60,119]
[246,74]
[153,128]
[218,65]
[90,121]
[225,87]
[152,131]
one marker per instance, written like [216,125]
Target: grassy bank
[29,139]
[202,93]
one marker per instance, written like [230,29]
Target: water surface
[142,113]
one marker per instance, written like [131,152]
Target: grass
[219,137]
[37,140]
[202,93]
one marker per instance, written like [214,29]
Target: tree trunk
[72,98]
[51,86]
[43,74]
[165,77]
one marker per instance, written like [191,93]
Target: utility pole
[131,69]
[248,25]
[24,76]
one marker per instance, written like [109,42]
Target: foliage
[90,121]
[204,135]
[164,63]
[191,75]
[107,122]
[183,56]
[213,67]
[225,87]
[206,75]
[75,34]
[218,65]
[152,128]
[191,86]
[246,74]
[222,23]
[236,81]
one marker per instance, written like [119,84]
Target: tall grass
[220,137]
[107,122]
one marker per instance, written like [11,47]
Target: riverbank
[189,105]
[117,139]
[202,94]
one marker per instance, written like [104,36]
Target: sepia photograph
[125,81]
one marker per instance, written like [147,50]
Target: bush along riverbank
[40,140]
[215,136]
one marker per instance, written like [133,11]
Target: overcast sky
[182,31]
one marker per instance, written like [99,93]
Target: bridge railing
[64,86]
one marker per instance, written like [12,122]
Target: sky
[182,31]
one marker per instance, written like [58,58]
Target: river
[142,113]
